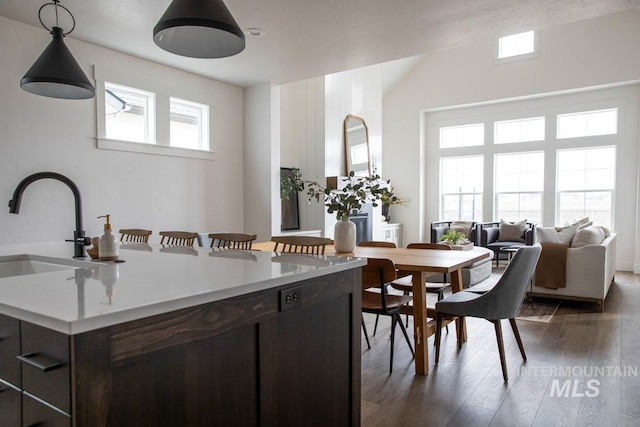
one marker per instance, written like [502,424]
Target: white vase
[344,235]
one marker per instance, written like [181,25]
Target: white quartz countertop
[152,280]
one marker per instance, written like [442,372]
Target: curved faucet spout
[14,204]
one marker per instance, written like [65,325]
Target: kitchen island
[180,337]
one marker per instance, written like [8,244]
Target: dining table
[419,263]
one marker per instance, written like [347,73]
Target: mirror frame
[347,157]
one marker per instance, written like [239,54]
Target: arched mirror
[356,143]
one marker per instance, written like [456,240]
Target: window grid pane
[462,136]
[521,130]
[516,44]
[461,183]
[188,124]
[519,186]
[587,123]
[127,113]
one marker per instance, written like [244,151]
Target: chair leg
[503,361]
[366,336]
[514,326]
[375,327]
[393,335]
[404,331]
[440,296]
[460,331]
[438,337]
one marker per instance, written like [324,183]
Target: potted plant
[350,198]
[388,198]
[454,237]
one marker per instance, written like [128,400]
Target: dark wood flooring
[467,389]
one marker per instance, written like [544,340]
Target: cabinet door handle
[29,359]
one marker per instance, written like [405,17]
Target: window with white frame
[462,136]
[129,114]
[135,113]
[189,124]
[461,181]
[586,184]
[519,130]
[588,123]
[516,44]
[519,185]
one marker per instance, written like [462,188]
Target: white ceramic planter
[344,235]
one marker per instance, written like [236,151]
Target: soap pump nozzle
[108,225]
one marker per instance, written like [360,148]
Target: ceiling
[309,38]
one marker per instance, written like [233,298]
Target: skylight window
[516,44]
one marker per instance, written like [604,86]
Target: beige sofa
[590,271]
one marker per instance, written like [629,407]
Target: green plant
[356,192]
[388,198]
[453,237]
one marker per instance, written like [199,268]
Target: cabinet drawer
[45,365]
[9,349]
[10,408]
[38,414]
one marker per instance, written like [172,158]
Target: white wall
[302,141]
[138,190]
[585,54]
[262,161]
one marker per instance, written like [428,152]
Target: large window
[461,179]
[519,185]
[586,183]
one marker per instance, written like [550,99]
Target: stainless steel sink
[20,265]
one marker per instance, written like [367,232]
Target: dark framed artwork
[290,216]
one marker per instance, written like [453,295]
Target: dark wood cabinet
[247,360]
[10,406]
[9,349]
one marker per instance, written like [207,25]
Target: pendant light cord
[55,3]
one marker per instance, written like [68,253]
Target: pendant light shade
[56,73]
[199,29]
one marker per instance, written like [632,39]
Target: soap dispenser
[108,246]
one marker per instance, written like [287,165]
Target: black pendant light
[56,73]
[199,29]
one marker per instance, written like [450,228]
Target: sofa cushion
[562,235]
[512,231]
[591,235]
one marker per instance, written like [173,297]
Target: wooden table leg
[456,286]
[420,323]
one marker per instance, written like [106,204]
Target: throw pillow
[463,227]
[547,235]
[591,235]
[512,232]
[606,231]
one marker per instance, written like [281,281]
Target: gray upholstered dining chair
[501,302]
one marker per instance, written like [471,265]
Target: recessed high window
[189,124]
[586,182]
[588,123]
[516,44]
[462,136]
[519,186]
[462,186]
[520,130]
[129,114]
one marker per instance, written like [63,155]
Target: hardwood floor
[467,389]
